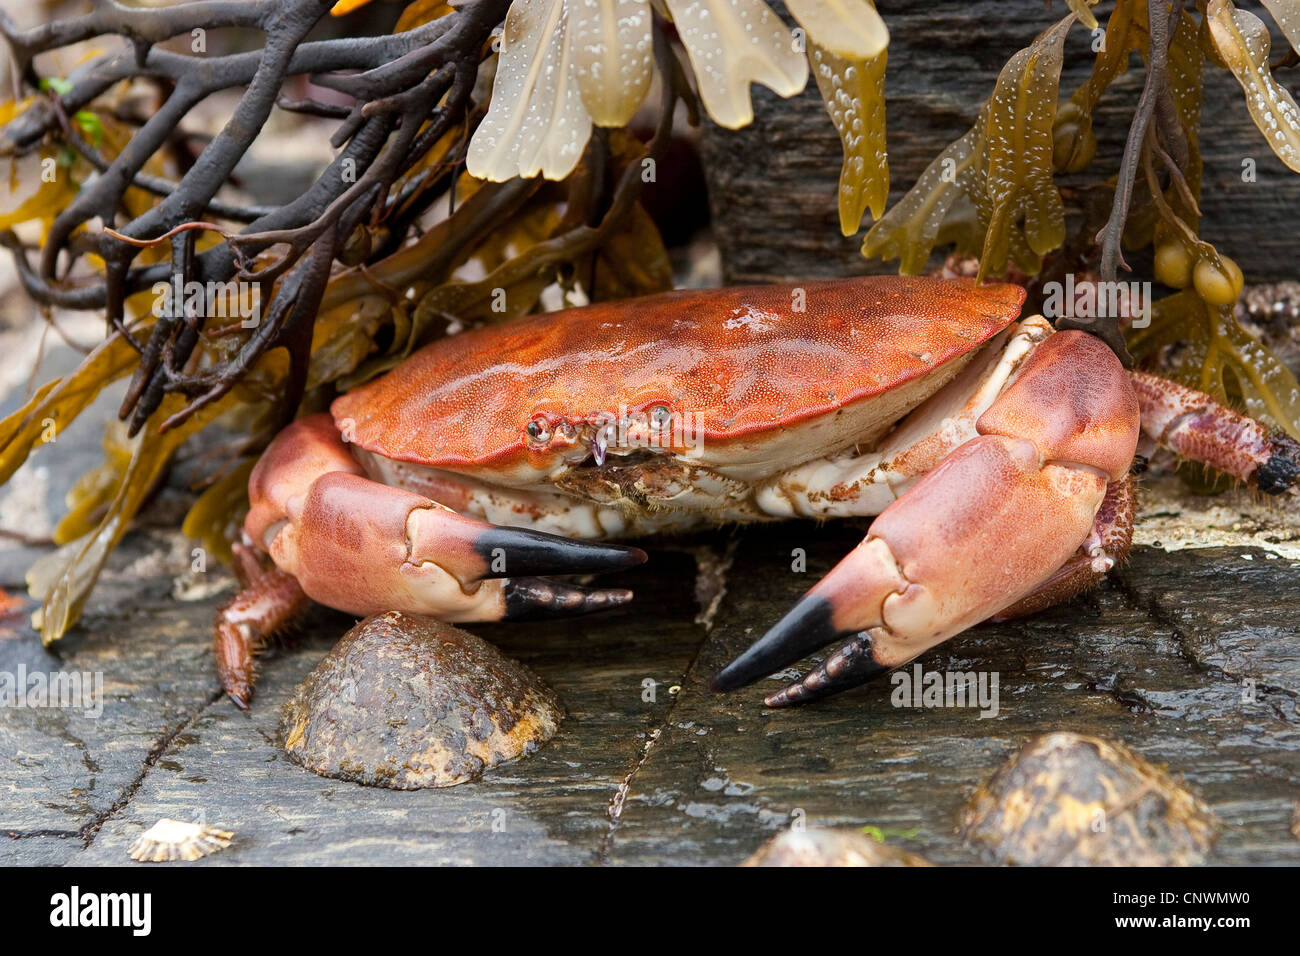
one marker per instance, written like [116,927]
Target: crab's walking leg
[268,600]
[358,545]
[988,526]
[1194,426]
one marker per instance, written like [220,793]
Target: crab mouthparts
[600,444]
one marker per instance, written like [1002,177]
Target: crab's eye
[660,416]
[538,430]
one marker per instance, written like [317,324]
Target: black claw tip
[516,551]
[805,628]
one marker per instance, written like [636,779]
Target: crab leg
[988,526]
[1193,425]
[267,602]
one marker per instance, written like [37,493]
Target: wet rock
[1070,800]
[407,702]
[830,848]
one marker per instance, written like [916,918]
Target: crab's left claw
[986,528]
[847,603]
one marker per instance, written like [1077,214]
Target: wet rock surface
[407,702]
[1071,800]
[1186,658]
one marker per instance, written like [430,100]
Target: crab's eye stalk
[660,416]
[538,430]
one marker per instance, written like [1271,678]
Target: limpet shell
[1066,799]
[820,847]
[409,702]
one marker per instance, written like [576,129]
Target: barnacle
[170,840]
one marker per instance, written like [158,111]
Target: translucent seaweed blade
[911,229]
[851,29]
[63,581]
[564,128]
[612,54]
[731,44]
[56,404]
[535,121]
[1083,10]
[1242,41]
[1286,14]
[854,94]
[1268,389]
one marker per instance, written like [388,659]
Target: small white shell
[169,840]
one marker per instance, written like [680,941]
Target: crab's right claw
[844,604]
[360,546]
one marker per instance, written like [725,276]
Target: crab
[996,454]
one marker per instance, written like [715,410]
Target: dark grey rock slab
[650,766]
[227,768]
[726,773]
[38,849]
[143,661]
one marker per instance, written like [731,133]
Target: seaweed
[993,192]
